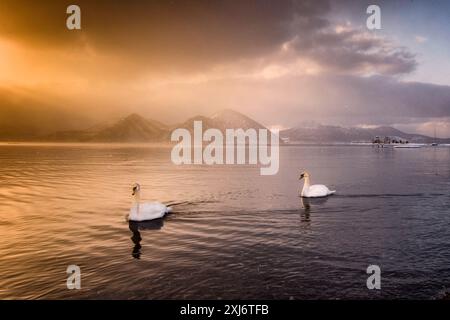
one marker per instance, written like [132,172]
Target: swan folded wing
[147,211]
[153,207]
[318,190]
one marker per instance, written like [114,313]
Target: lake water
[234,234]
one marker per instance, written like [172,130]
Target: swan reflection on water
[136,238]
[307,203]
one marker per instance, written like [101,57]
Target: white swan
[147,210]
[314,191]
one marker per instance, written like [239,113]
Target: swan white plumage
[315,190]
[147,210]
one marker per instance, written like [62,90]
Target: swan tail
[332,191]
[168,209]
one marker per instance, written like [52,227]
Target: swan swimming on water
[315,190]
[146,210]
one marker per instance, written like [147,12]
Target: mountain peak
[228,118]
[134,117]
[133,127]
[222,120]
[228,113]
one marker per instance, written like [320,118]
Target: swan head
[304,174]
[136,188]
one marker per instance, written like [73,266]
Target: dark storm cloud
[162,33]
[355,100]
[180,36]
[382,99]
[352,50]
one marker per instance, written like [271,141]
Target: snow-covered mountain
[225,119]
[330,134]
[230,119]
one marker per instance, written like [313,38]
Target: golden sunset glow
[283,64]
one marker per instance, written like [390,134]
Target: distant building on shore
[389,140]
[285,139]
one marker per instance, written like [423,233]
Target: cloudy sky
[283,63]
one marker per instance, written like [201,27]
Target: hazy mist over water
[233,233]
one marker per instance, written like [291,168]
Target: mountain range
[135,128]
[330,134]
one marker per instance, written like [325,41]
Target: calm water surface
[233,233]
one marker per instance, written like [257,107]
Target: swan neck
[305,186]
[307,182]
[137,197]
